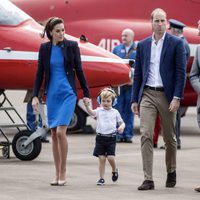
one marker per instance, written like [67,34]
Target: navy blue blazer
[72,64]
[172,67]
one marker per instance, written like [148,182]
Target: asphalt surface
[20,180]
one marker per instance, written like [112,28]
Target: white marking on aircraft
[29,55]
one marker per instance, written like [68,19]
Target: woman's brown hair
[51,22]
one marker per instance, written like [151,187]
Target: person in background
[176,28]
[107,120]
[126,50]
[194,80]
[158,85]
[59,60]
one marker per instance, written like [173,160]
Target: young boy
[107,120]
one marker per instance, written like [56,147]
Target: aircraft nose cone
[103,67]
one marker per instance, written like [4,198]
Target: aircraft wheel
[78,120]
[26,153]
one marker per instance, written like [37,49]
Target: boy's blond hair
[106,93]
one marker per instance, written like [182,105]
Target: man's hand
[135,108]
[174,105]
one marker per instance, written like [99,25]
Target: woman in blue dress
[59,61]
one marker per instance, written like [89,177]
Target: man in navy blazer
[159,79]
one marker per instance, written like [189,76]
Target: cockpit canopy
[10,15]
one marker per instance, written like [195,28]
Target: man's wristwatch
[177,98]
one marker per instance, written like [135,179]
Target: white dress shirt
[154,78]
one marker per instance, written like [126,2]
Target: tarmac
[29,180]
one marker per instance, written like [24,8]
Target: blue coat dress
[61,99]
[59,66]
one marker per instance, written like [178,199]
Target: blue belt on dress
[107,135]
[160,89]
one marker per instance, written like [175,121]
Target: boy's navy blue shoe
[101,181]
[115,175]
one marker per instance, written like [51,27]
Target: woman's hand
[35,104]
[86,101]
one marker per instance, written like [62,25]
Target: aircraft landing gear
[78,120]
[25,144]
[8,111]
[25,151]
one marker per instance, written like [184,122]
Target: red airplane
[103,21]
[20,41]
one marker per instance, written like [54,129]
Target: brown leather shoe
[171,179]
[147,185]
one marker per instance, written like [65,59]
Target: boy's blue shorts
[105,146]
